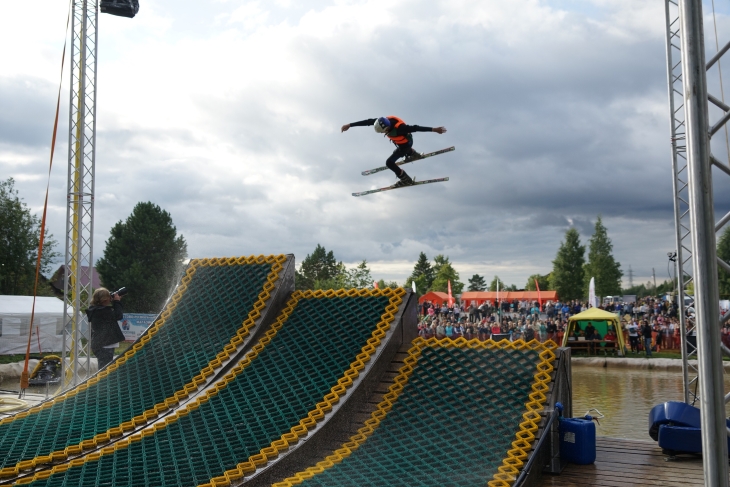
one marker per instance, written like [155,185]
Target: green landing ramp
[216,306]
[459,414]
[282,388]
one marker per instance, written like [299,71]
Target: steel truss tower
[690,107]
[79,261]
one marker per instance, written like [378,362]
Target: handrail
[545,433]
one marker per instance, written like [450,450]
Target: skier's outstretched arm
[361,123]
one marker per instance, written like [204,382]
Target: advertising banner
[134,324]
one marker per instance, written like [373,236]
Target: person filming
[104,313]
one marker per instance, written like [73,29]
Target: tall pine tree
[477,283]
[145,255]
[567,275]
[601,264]
[423,274]
[320,268]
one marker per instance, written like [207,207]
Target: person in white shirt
[634,336]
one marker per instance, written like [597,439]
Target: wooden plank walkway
[622,463]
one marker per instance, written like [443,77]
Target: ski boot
[413,156]
[404,180]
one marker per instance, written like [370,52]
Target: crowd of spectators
[512,320]
[648,324]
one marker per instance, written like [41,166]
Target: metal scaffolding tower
[695,224]
[79,261]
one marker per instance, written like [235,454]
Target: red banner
[451,298]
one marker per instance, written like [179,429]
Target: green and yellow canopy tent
[602,321]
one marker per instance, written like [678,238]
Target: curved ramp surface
[459,414]
[284,385]
[210,315]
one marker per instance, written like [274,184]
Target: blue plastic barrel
[578,440]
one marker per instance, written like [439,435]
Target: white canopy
[15,319]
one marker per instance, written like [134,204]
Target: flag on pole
[539,298]
[592,293]
[375,284]
[451,299]
[413,285]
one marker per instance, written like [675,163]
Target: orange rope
[24,374]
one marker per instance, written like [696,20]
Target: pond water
[625,396]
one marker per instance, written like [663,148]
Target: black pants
[400,151]
[104,356]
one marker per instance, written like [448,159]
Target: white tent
[47,324]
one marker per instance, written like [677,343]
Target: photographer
[103,314]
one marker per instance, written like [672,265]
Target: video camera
[120,292]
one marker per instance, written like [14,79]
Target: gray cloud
[555,121]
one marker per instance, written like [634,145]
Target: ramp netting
[459,414]
[283,387]
[209,316]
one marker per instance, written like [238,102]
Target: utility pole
[631,277]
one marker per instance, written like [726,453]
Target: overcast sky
[227,114]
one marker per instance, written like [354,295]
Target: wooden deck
[622,463]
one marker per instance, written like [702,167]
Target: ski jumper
[400,135]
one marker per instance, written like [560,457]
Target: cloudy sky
[227,114]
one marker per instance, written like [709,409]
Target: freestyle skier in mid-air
[400,134]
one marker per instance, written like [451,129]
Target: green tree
[567,276]
[360,276]
[493,284]
[542,281]
[445,272]
[477,283]
[601,264]
[723,252]
[320,266]
[382,284]
[423,274]
[19,241]
[145,255]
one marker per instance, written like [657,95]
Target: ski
[388,188]
[430,154]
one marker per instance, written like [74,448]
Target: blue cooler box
[578,440]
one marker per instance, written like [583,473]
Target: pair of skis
[400,163]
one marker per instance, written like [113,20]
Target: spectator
[646,332]
[590,331]
[634,336]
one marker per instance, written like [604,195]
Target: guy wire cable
[24,374]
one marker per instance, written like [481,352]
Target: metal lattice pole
[80,205]
[695,220]
[681,196]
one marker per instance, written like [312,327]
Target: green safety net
[451,425]
[300,365]
[217,301]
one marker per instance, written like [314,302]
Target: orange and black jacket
[400,133]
